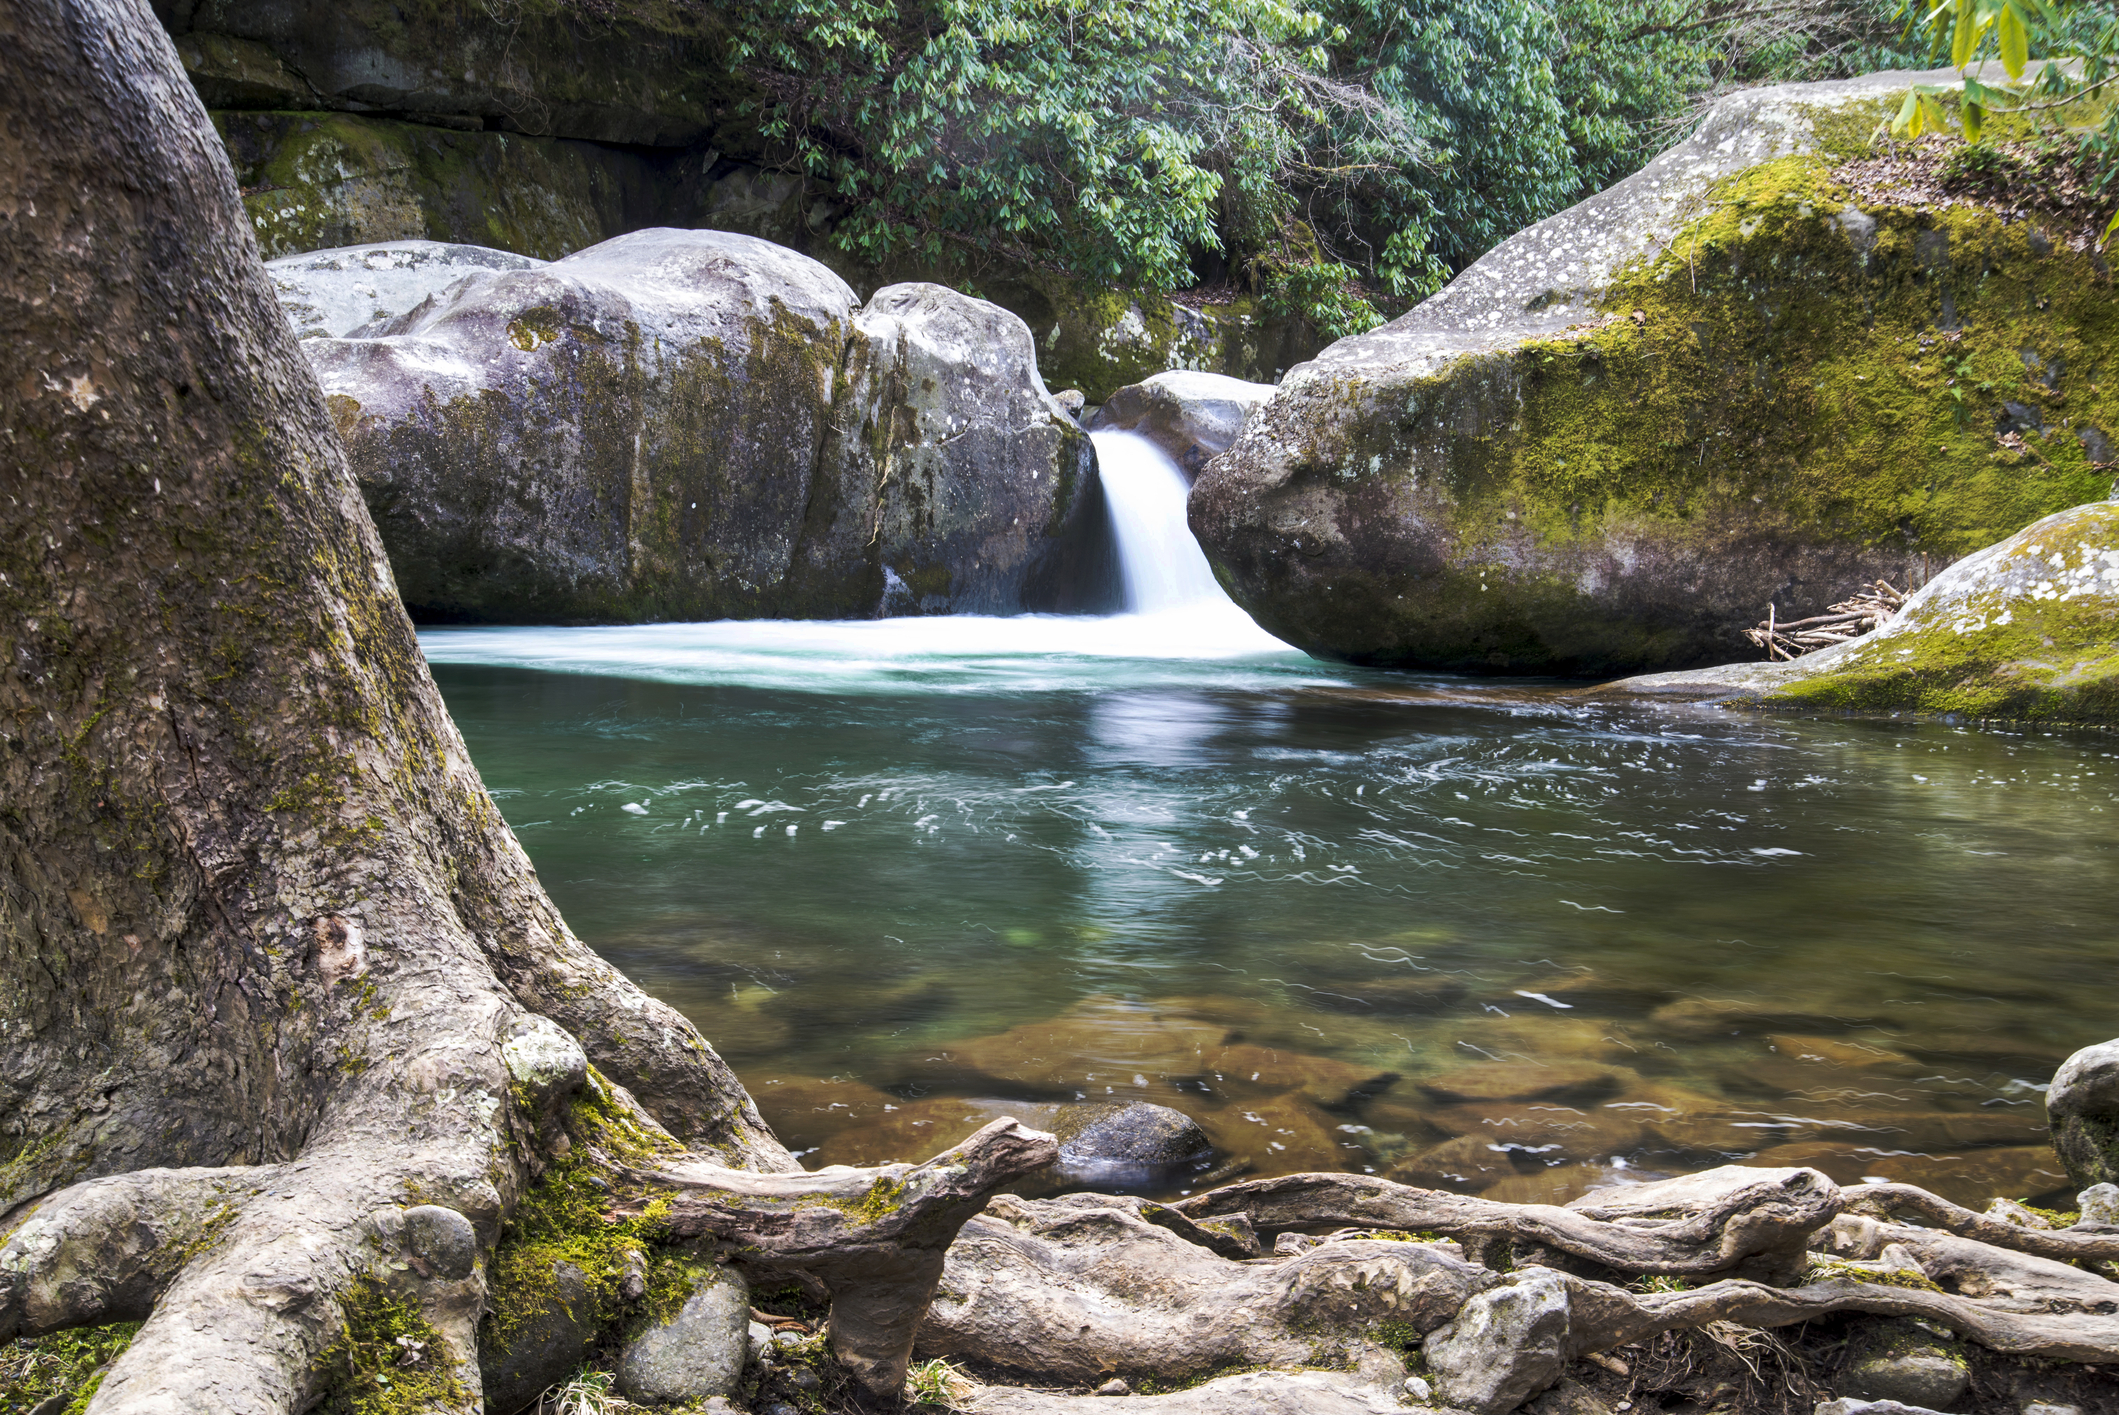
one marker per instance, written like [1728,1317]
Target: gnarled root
[1754,1222]
[1083,1288]
[874,1238]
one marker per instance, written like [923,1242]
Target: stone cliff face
[694,425]
[1729,381]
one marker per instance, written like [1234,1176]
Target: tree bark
[264,938]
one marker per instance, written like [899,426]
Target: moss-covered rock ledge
[2027,630]
[1729,380]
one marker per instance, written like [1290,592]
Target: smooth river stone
[1523,1081]
[2013,1172]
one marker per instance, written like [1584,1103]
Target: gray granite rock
[699,425]
[1129,1146]
[1190,415]
[337,293]
[1506,1345]
[2082,1105]
[697,1353]
[1574,460]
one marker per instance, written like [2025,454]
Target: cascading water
[1162,564]
[1178,626]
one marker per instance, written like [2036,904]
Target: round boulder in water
[1130,1146]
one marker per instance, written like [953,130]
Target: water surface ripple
[911,874]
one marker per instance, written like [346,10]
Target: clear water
[912,874]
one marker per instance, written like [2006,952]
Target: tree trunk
[264,939]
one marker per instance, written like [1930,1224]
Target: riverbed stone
[701,425]
[1133,1145]
[1902,1361]
[2083,1106]
[1191,415]
[517,1367]
[1571,461]
[699,1352]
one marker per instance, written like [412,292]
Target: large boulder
[697,425]
[332,294]
[1193,416]
[1739,377]
[2026,630]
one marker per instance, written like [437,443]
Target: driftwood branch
[874,1238]
[1732,1219]
[1868,608]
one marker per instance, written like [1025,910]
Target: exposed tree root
[1733,1219]
[873,1238]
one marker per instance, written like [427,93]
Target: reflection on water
[1475,936]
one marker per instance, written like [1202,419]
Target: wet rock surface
[1565,462]
[1134,1146]
[1192,416]
[654,429]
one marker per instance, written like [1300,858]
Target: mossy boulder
[1728,382]
[2026,630]
[699,425]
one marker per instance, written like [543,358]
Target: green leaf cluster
[1328,154]
[2067,98]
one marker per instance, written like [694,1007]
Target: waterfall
[1162,565]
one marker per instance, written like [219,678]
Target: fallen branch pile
[1868,608]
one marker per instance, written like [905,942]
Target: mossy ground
[389,1360]
[66,1363]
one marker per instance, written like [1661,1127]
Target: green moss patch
[389,1360]
[69,1363]
[565,1218]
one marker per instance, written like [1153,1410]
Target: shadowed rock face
[1621,434]
[2027,630]
[694,425]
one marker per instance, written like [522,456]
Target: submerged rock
[2026,629]
[1192,416]
[699,425]
[1730,380]
[1128,1146]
